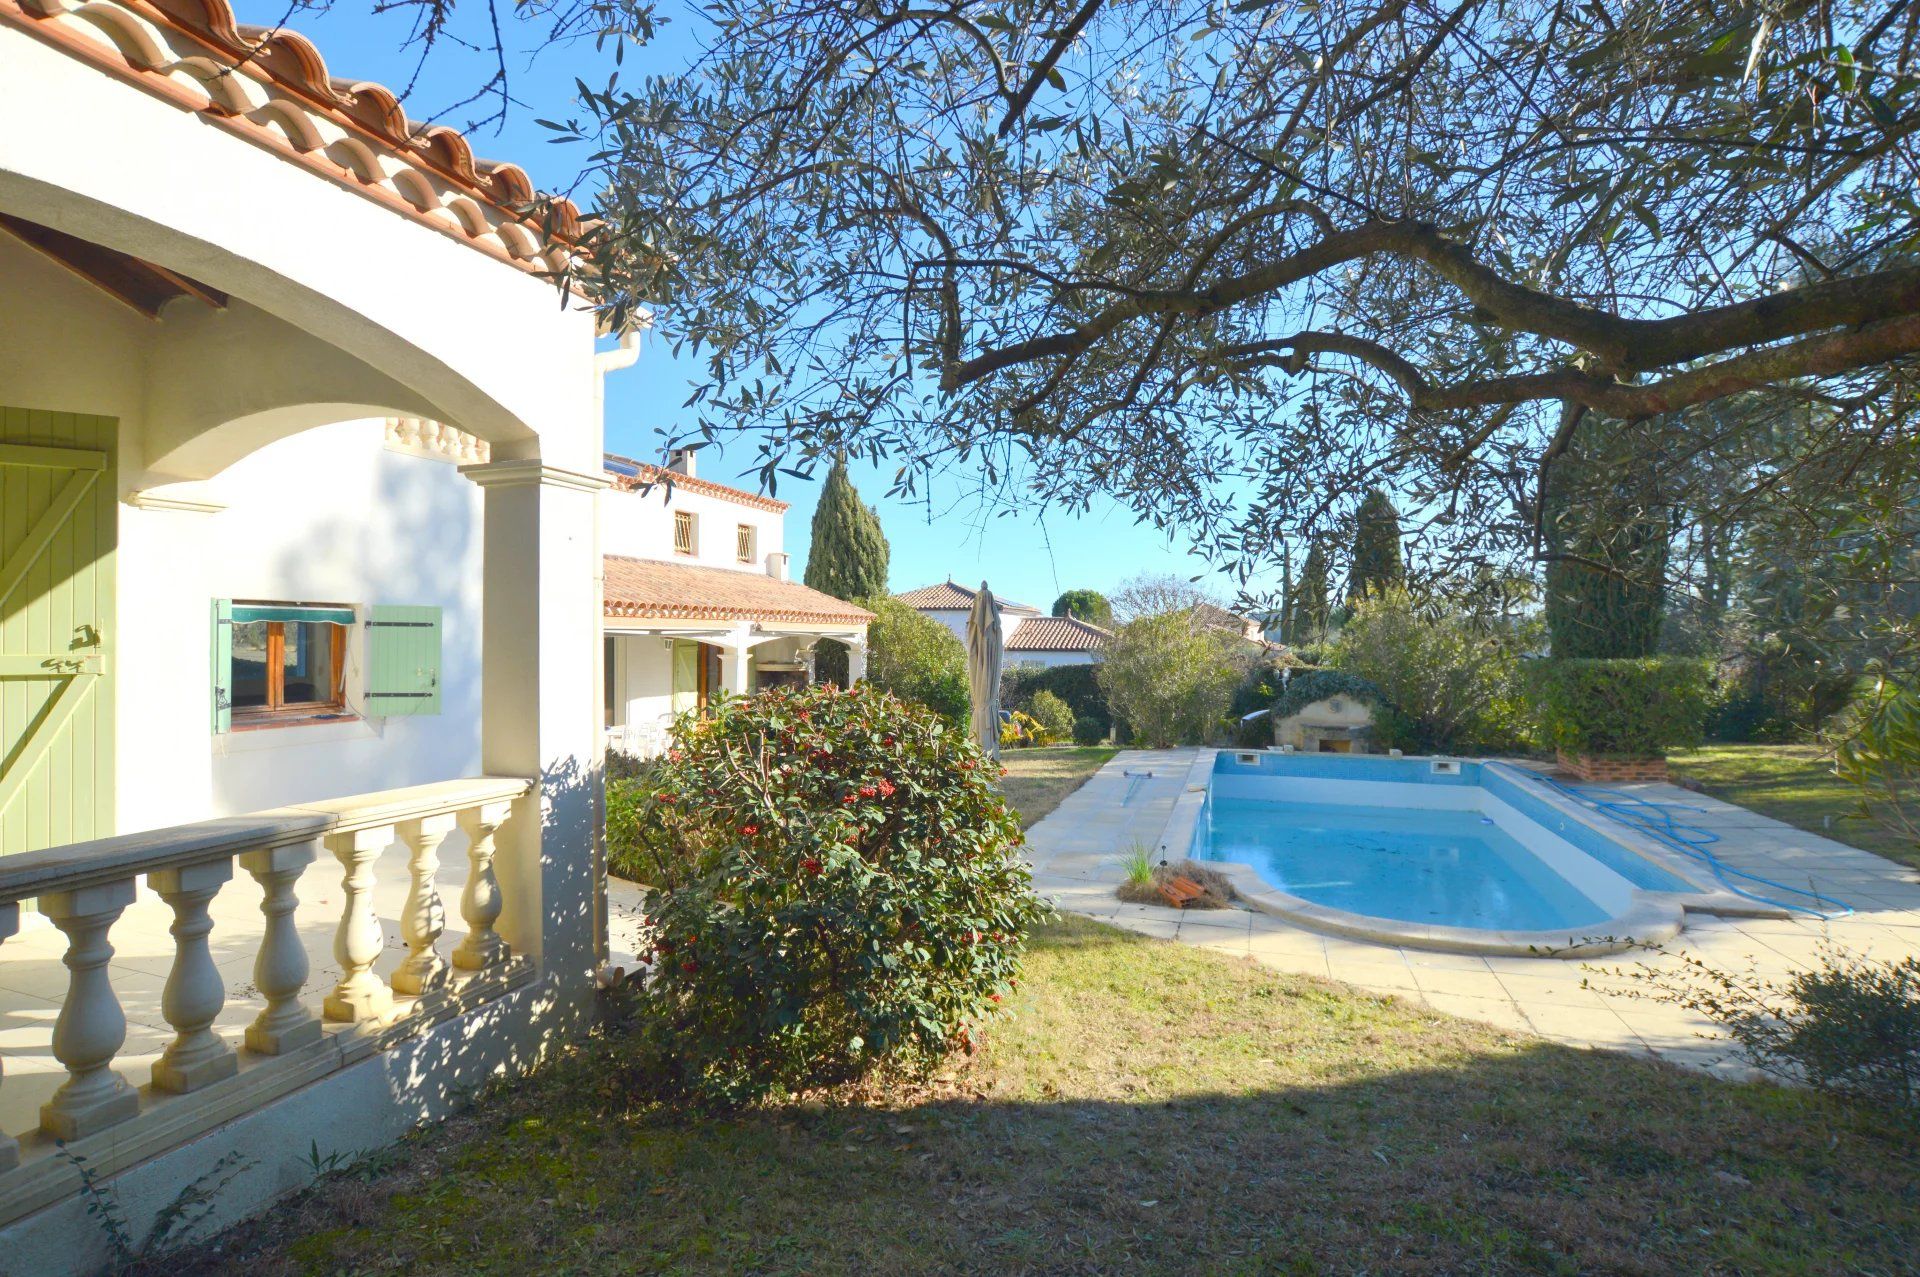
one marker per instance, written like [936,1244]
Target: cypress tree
[1377,561]
[1307,606]
[848,557]
[1607,537]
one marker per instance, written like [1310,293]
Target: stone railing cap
[123,856]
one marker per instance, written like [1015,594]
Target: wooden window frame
[743,542]
[707,676]
[687,544]
[277,712]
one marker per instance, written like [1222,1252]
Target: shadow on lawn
[1271,1125]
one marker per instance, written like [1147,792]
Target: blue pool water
[1445,868]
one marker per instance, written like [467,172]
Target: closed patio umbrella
[983,669]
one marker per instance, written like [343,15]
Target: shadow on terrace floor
[1147,1109]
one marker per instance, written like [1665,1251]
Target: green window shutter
[403,661]
[222,665]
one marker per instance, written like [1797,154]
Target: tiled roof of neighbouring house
[648,475]
[271,87]
[1056,634]
[688,592]
[1218,618]
[949,595]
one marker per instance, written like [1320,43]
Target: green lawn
[1149,1108]
[1792,783]
[1037,779]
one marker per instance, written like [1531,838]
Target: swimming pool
[1435,853]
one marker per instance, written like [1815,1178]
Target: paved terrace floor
[1078,855]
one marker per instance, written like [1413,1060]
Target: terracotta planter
[1603,770]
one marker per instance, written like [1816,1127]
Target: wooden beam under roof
[129,280]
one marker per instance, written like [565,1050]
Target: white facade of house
[221,270]
[1015,658]
[955,619]
[368,523]
[1028,636]
[699,601]
[640,524]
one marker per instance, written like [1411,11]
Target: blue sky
[1030,557]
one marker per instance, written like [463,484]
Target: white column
[280,968]
[359,939]
[423,917]
[540,706]
[733,669]
[194,991]
[9,1148]
[856,658]
[91,1027]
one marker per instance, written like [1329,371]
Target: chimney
[681,461]
[777,565]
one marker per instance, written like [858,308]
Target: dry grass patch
[1038,779]
[1149,1109]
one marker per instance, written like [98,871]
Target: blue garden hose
[1656,820]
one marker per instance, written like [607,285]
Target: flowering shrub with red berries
[848,895]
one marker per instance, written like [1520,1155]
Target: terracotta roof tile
[271,87]
[649,474]
[947,594]
[1056,634]
[1214,617]
[689,592]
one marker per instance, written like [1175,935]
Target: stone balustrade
[205,1075]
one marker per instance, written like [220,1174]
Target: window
[287,663]
[276,664]
[743,543]
[682,532]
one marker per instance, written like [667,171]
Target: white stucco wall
[642,681]
[1047,660]
[475,343]
[330,516]
[326,515]
[639,525]
[955,619]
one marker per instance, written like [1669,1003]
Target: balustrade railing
[84,890]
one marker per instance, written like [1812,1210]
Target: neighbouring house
[1028,635]
[698,600]
[1213,617]
[300,465]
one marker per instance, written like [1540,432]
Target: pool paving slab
[1078,853]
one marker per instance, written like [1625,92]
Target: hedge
[1627,708]
[1317,685]
[1074,684]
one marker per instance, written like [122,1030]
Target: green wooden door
[58,525]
